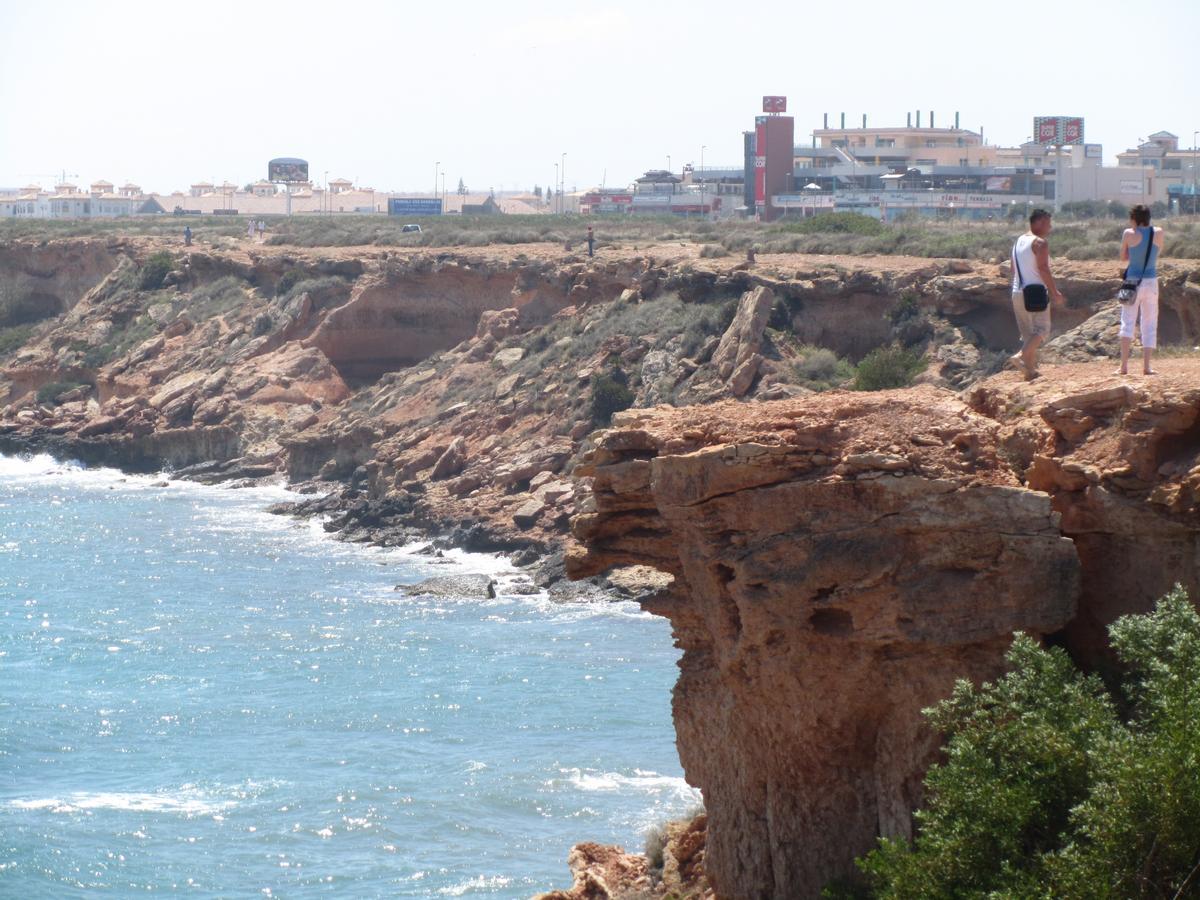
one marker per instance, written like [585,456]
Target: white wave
[478,883]
[188,803]
[248,514]
[641,781]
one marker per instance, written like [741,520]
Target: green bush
[837,223]
[820,369]
[154,272]
[610,395]
[888,367]
[263,323]
[216,298]
[907,307]
[656,845]
[48,394]
[287,281]
[14,337]
[1048,791]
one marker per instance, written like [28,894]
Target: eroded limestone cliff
[840,560]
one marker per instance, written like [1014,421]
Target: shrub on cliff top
[48,394]
[610,395]
[837,223]
[888,367]
[14,337]
[154,272]
[820,369]
[1053,788]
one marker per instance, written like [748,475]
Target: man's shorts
[1030,324]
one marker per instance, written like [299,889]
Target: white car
[413,228]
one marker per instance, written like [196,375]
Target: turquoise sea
[200,698]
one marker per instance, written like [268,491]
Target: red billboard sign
[1058,130]
[774,104]
[1045,129]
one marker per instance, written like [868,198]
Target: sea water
[199,697]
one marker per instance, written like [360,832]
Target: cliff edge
[840,560]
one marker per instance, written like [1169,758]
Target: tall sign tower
[1058,132]
[774,155]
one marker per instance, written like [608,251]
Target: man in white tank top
[1031,265]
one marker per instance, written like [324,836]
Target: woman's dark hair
[1140,215]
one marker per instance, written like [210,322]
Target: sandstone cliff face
[827,588]
[38,281]
[839,561]
[1119,458]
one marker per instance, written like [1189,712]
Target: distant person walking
[262,231]
[1033,288]
[591,242]
[187,235]
[250,230]
[1140,246]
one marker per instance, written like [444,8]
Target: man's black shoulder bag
[1037,298]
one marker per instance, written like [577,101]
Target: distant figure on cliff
[591,242]
[187,235]
[262,231]
[1033,288]
[250,230]
[1141,260]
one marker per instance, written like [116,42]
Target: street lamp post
[437,165]
[703,213]
[562,203]
[325,194]
[668,162]
[1025,159]
[1142,165]
[1195,179]
[556,186]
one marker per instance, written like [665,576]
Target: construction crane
[62,176]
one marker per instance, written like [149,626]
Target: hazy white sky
[166,93]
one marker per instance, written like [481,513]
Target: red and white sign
[1045,129]
[774,104]
[1058,130]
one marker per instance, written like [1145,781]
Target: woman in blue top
[1144,269]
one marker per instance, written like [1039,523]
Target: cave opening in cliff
[832,621]
[1180,451]
[398,323]
[30,307]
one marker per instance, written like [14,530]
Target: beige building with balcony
[1168,164]
[912,147]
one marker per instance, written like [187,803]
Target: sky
[168,93]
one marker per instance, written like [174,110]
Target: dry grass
[841,233]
